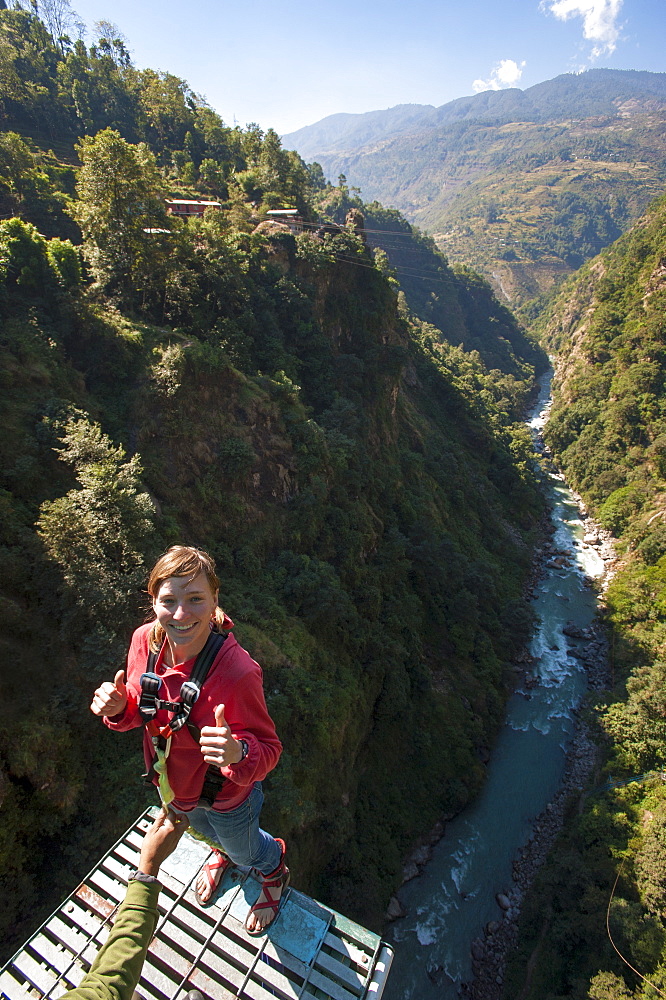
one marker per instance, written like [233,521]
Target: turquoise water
[454,898]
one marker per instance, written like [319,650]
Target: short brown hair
[187,561]
[182,560]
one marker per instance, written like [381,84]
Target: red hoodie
[235,681]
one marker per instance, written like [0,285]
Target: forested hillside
[364,481]
[524,186]
[608,433]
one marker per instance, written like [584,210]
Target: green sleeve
[117,968]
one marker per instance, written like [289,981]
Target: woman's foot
[265,910]
[210,877]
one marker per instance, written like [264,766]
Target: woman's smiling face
[183,607]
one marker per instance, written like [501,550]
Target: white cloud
[600,21]
[506,73]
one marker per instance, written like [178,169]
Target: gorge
[337,412]
[480,869]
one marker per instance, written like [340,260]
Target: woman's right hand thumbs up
[110,699]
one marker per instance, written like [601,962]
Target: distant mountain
[349,132]
[592,93]
[523,185]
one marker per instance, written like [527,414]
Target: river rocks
[560,562]
[477,949]
[435,973]
[590,647]
[422,852]
[594,654]
[523,657]
[422,855]
[410,870]
[503,901]
[395,909]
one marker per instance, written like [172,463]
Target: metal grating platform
[310,951]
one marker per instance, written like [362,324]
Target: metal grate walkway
[309,951]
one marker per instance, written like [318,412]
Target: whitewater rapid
[454,898]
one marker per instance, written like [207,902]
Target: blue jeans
[238,833]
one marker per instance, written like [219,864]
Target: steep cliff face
[369,505]
[608,421]
[608,432]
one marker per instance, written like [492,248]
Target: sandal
[213,870]
[277,880]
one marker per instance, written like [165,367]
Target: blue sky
[290,64]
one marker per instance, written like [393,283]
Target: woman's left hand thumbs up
[218,746]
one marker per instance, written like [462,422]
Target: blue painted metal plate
[300,926]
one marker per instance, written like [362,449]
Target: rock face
[411,870]
[419,857]
[395,909]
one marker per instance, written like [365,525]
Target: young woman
[224,746]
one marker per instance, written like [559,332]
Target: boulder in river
[395,909]
[477,949]
[503,901]
[422,855]
[410,871]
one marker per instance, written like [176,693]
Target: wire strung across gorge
[383,232]
[488,241]
[405,269]
[408,272]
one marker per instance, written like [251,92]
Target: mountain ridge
[304,140]
[524,186]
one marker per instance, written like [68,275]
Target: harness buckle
[189,693]
[150,685]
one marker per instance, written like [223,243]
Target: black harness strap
[150,704]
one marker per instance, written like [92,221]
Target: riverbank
[557,555]
[454,919]
[590,647]
[587,645]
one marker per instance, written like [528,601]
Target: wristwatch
[245,749]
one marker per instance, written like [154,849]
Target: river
[453,899]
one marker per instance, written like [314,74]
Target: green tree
[121,198]
[17,161]
[27,268]
[98,535]
[650,866]
[168,104]
[608,986]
